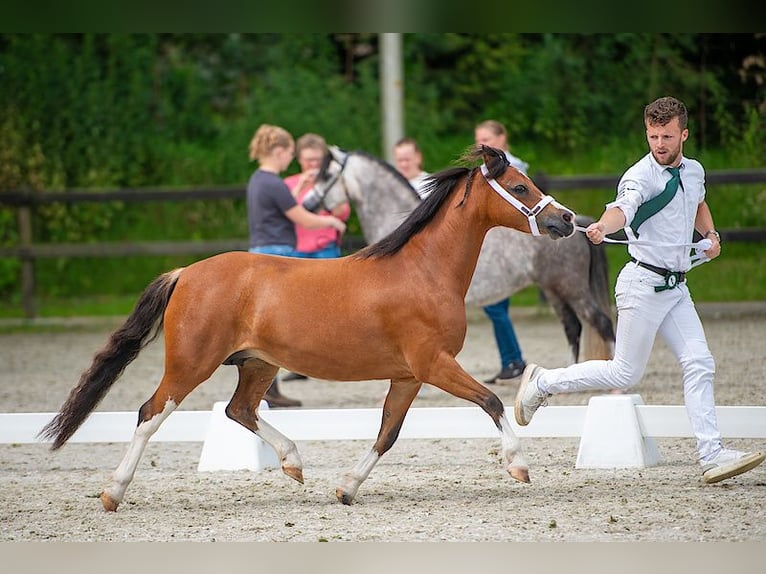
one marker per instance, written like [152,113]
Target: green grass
[94,305]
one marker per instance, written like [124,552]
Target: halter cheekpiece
[531,213]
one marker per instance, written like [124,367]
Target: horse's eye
[520,189]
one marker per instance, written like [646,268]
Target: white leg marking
[286,449]
[511,445]
[354,478]
[123,474]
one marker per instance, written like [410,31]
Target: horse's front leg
[400,395]
[449,376]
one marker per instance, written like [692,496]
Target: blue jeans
[329,252]
[505,336]
[286,250]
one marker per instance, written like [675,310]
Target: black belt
[672,278]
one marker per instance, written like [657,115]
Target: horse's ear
[338,154]
[495,160]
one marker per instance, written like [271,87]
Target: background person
[408,160]
[493,133]
[273,212]
[662,199]
[324,242]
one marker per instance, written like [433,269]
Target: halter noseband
[531,213]
[321,195]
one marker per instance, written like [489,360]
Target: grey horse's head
[381,196]
[329,190]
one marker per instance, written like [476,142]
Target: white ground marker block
[230,446]
[612,436]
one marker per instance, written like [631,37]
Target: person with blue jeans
[273,212]
[493,133]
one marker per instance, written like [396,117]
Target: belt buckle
[671,281]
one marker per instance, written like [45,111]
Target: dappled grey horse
[571,273]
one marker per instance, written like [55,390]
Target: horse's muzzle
[312,201]
[562,226]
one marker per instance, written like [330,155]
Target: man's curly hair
[662,110]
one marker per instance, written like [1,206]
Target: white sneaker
[728,463]
[529,398]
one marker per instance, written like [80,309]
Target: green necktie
[649,208]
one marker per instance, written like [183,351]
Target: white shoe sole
[724,471]
[518,409]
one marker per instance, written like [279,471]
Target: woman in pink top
[313,243]
[310,150]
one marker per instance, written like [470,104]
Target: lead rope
[699,247]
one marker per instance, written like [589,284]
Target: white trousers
[642,313]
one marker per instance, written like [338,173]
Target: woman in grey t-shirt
[272,211]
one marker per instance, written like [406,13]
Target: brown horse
[395,310]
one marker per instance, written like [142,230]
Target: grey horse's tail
[123,346]
[598,336]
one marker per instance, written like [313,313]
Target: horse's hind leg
[569,320]
[255,376]
[123,474]
[400,395]
[598,334]
[153,412]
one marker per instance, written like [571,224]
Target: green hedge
[115,111]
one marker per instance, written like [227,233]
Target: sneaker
[509,373]
[293,377]
[728,463]
[529,398]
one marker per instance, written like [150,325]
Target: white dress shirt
[674,223]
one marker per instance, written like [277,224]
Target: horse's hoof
[294,472]
[343,496]
[519,474]
[109,503]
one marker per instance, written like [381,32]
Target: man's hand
[715,248]
[595,232]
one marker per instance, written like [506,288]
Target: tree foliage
[111,110]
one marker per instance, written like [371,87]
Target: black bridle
[314,200]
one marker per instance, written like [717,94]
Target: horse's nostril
[568,216]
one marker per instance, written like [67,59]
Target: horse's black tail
[123,346]
[599,345]
[598,277]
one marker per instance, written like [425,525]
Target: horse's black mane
[440,184]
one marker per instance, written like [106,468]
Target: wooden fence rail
[27,250]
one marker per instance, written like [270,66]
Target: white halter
[530,213]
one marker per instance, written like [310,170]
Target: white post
[391,91]
[230,446]
[612,436]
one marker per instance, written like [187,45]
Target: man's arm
[613,219]
[703,222]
